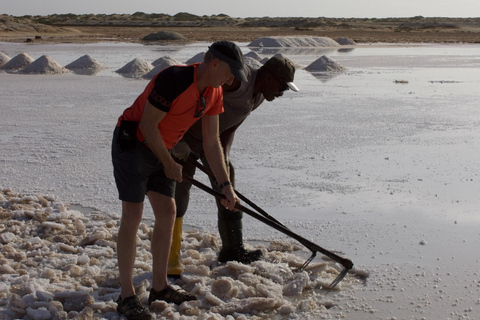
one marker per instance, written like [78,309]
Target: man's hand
[173,171]
[231,198]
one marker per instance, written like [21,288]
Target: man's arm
[151,117]
[216,160]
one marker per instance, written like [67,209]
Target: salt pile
[166,61]
[161,64]
[254,63]
[323,64]
[196,58]
[270,42]
[345,41]
[253,55]
[56,263]
[163,36]
[253,59]
[85,65]
[44,65]
[18,62]
[135,68]
[3,59]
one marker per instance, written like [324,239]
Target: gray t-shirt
[237,106]
[241,102]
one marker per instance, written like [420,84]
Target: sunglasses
[200,107]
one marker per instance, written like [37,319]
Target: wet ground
[380,162]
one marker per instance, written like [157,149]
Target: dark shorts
[138,171]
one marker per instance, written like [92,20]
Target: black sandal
[132,309]
[170,295]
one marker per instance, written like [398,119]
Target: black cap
[283,69]
[230,53]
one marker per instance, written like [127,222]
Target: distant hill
[190,20]
[133,27]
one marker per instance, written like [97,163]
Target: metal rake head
[347,264]
[337,280]
[306,263]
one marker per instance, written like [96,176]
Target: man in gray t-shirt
[239,100]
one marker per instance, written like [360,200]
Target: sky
[251,8]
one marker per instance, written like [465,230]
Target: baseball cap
[230,53]
[283,69]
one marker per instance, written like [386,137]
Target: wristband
[223,185]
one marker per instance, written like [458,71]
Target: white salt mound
[293,42]
[325,64]
[166,61]
[345,41]
[3,59]
[196,58]
[18,62]
[85,64]
[135,68]
[254,63]
[253,55]
[44,65]
[160,64]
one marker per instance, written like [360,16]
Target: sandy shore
[80,34]
[132,28]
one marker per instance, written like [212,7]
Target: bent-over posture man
[141,153]
[240,99]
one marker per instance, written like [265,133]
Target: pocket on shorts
[127,135]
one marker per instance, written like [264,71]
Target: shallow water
[385,172]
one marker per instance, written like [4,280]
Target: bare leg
[164,211]
[126,245]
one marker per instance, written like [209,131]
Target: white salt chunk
[222,287]
[297,285]
[44,295]
[53,225]
[6,269]
[237,266]
[6,237]
[198,270]
[213,300]
[38,314]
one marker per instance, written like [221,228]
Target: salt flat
[379,162]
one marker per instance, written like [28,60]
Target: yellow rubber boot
[175,266]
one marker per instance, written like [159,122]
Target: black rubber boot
[232,240]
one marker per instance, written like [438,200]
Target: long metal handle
[348,264]
[193,160]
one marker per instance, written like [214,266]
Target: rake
[274,223]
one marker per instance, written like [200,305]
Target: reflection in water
[87,72]
[326,76]
[168,49]
[132,75]
[346,50]
[294,51]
